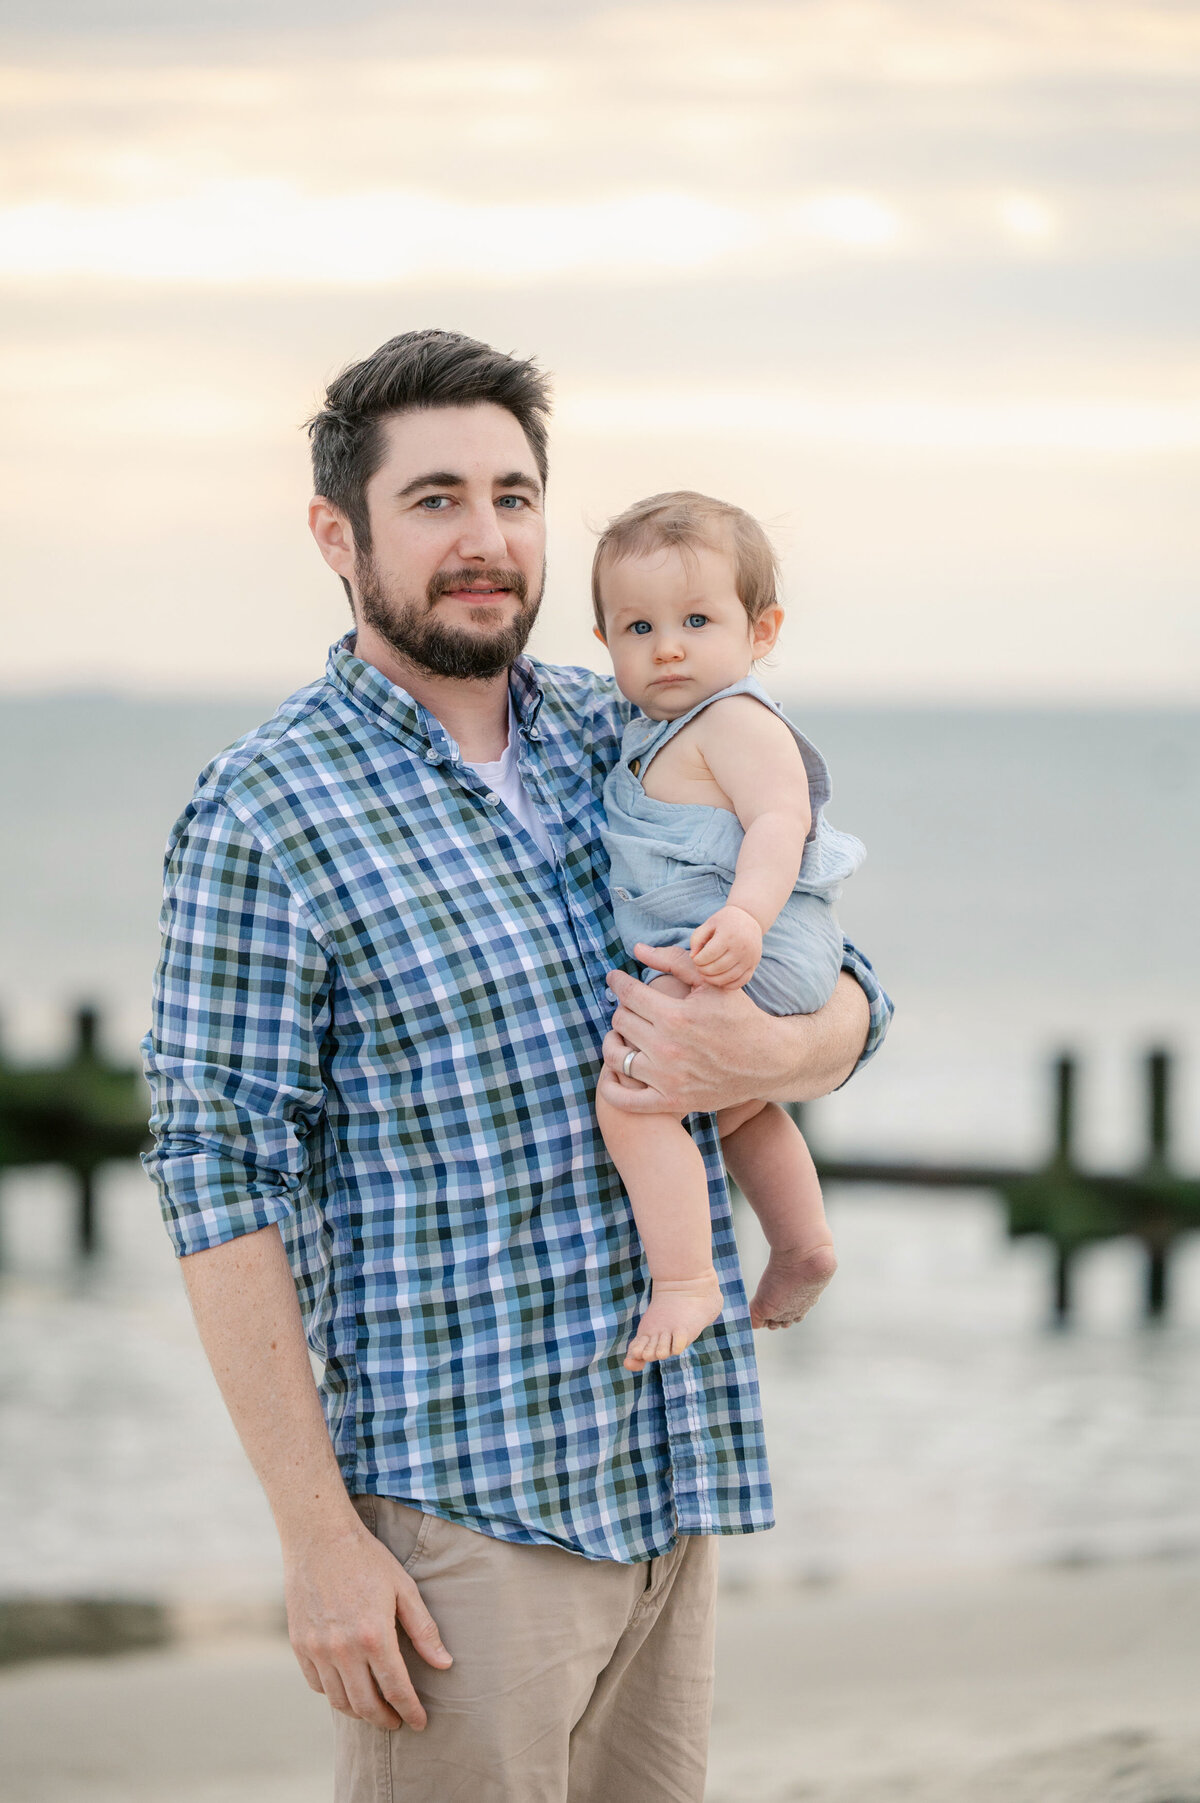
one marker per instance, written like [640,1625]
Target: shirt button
[534,733]
[493,801]
[433,757]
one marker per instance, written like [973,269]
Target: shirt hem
[358,1485]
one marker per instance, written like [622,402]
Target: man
[386,985]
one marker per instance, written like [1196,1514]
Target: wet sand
[1075,1685]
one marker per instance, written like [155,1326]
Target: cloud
[1028,218]
[919,422]
[260,232]
[921,270]
[621,89]
[920,43]
[697,43]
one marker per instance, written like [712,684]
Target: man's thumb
[421,1629]
[673,960]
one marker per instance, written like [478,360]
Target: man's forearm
[244,1301]
[816,1053]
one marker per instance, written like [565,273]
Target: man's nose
[482,537]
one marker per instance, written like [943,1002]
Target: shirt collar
[395,710]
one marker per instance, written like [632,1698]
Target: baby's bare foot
[791,1284]
[679,1309]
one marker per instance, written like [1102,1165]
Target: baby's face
[676,630]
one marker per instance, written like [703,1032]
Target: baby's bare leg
[667,1185]
[771,1165]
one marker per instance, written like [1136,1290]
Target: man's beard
[414,631]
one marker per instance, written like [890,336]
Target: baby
[717,843]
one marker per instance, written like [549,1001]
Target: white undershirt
[503,778]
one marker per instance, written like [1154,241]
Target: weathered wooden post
[1064,1145]
[78,1115]
[1068,1207]
[1157,1235]
[86,1025]
[1158,1072]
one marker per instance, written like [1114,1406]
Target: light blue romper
[673,864]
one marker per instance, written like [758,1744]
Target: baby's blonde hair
[687,521]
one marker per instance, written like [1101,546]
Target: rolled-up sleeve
[878,1000]
[233,1054]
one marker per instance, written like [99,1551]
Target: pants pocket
[686,902]
[402,1529]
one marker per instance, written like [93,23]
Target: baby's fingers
[728,979]
[719,965]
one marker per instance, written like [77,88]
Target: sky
[913,280]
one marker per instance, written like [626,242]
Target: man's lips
[476,595]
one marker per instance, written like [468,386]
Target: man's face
[453,579]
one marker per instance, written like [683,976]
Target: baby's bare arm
[756,762]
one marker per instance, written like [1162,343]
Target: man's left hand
[712,1048]
[696,1053]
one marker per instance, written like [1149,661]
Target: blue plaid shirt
[377,1023]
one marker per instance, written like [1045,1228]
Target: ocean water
[1031,885]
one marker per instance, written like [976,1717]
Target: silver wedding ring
[627,1062]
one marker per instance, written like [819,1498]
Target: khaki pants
[574,1680]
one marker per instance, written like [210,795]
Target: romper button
[621,894]
[493,801]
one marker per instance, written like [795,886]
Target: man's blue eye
[432,503]
[640,627]
[696,620]
[513,501]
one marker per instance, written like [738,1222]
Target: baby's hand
[727,947]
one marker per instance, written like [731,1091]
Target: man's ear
[334,536]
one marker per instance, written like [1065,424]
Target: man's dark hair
[414,371]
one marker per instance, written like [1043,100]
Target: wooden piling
[1158,1231]
[1064,1109]
[77,1115]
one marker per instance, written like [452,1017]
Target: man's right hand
[345,1593]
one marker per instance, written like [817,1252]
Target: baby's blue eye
[641,627]
[696,620]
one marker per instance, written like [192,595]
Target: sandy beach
[1067,1685]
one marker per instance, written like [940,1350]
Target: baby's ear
[765,630]
[597,634]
